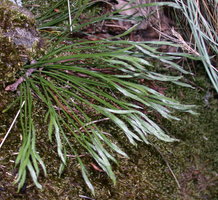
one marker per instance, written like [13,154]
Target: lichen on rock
[20,42]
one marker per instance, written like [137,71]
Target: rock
[20,42]
[153,18]
[18,2]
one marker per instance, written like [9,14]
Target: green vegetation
[84,86]
[202,21]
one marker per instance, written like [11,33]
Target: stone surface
[153,18]
[19,40]
[18,2]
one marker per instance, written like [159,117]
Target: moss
[10,60]
[146,174]
[19,40]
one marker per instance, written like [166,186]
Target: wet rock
[19,40]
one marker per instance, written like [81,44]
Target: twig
[12,124]
[168,165]
[32,5]
[184,43]
[13,87]
[69,13]
[85,197]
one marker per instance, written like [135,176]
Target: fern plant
[87,82]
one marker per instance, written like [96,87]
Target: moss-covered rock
[19,40]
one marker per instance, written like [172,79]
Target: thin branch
[168,165]
[70,18]
[13,87]
[12,124]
